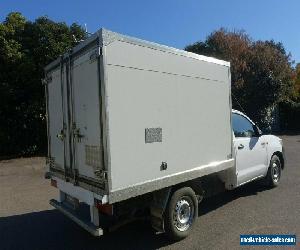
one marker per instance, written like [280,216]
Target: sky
[174,23]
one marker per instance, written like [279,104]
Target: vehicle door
[250,149]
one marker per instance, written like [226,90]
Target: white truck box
[127,117]
[119,108]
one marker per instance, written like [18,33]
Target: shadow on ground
[52,230]
[214,202]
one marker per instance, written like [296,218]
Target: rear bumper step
[87,225]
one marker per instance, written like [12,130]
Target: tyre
[274,172]
[181,212]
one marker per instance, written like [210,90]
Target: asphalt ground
[27,221]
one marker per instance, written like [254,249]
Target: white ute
[140,129]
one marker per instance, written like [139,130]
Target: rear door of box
[74,118]
[58,125]
[86,112]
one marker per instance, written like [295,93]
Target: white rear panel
[75,140]
[55,117]
[86,115]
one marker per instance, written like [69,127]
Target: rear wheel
[181,213]
[274,172]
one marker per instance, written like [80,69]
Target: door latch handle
[61,135]
[241,146]
[77,135]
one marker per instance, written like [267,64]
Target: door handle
[241,146]
[77,135]
[61,135]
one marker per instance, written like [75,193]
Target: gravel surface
[23,188]
[28,222]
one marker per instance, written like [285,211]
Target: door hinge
[75,176]
[101,174]
[95,54]
[46,80]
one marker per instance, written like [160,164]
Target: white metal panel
[140,57]
[85,84]
[78,192]
[187,98]
[55,118]
[251,160]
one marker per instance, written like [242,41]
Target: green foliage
[290,108]
[261,71]
[290,115]
[25,48]
[296,80]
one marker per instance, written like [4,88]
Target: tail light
[104,208]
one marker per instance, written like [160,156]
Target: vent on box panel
[153,135]
[93,156]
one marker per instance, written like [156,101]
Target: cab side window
[242,127]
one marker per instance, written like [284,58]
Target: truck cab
[257,155]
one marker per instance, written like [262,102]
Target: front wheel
[274,172]
[181,213]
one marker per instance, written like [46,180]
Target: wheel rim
[183,214]
[276,171]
